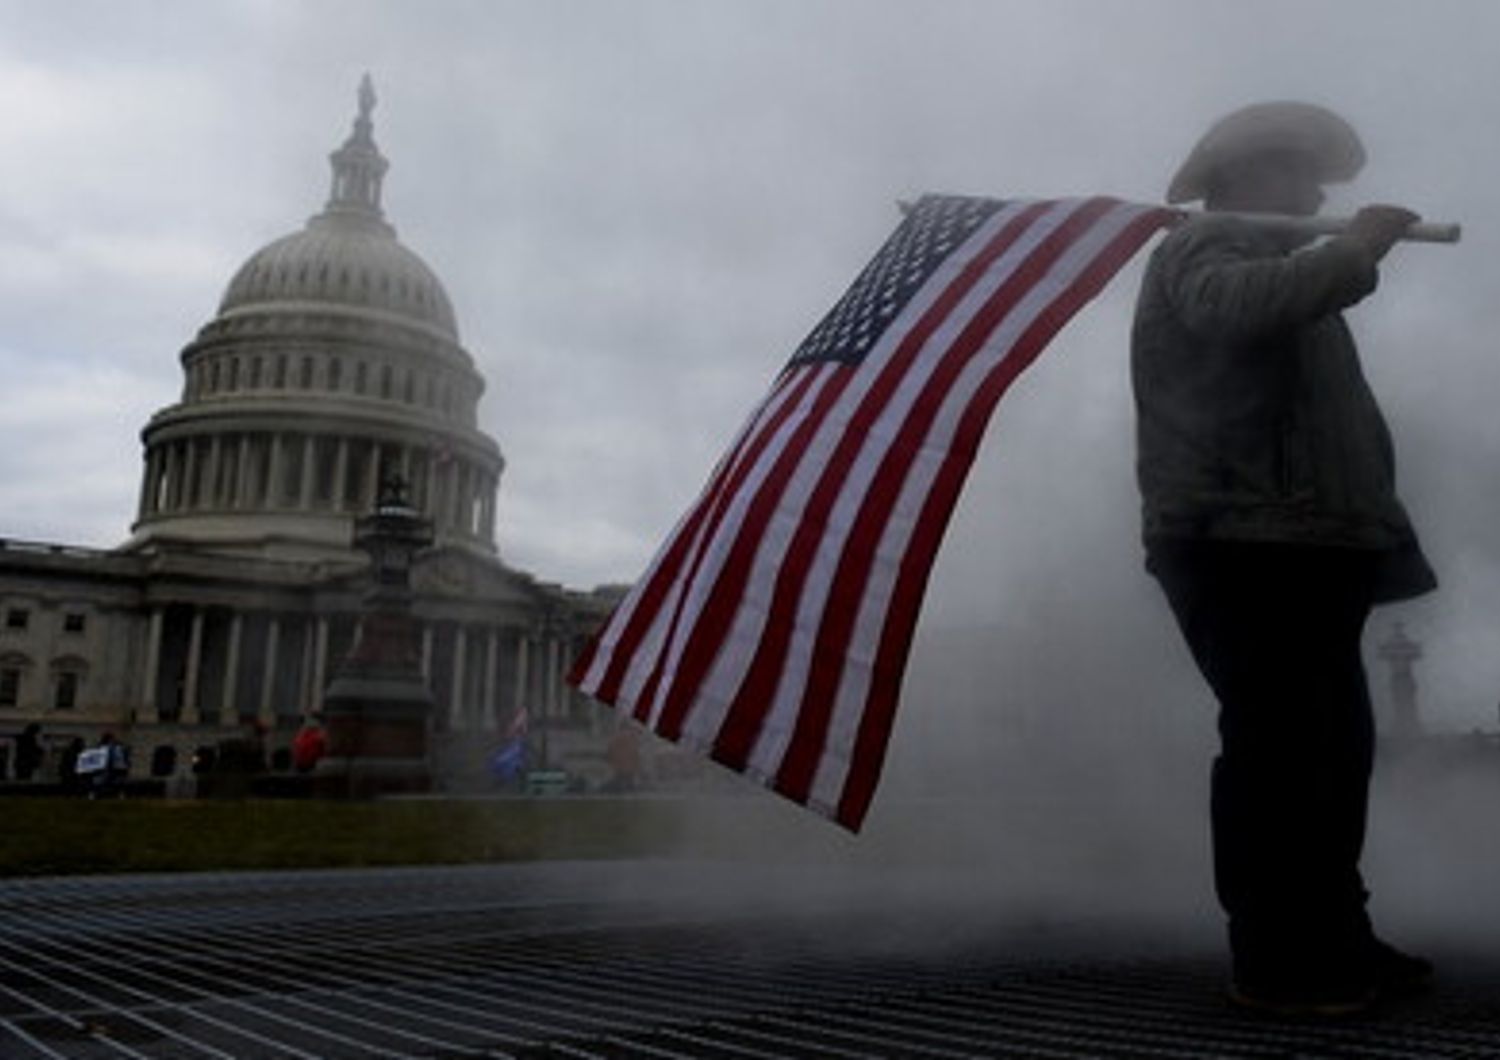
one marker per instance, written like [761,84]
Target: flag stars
[931,231]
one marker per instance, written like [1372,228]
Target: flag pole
[1421,232]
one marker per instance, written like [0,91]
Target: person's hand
[1376,228]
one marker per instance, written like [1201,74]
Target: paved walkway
[632,960]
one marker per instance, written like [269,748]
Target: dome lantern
[358,166]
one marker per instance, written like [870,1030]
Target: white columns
[231,672]
[190,494]
[417,461]
[153,664]
[273,472]
[552,680]
[341,503]
[189,713]
[372,479]
[215,476]
[309,461]
[487,697]
[442,503]
[174,475]
[242,475]
[456,702]
[522,677]
[320,664]
[457,517]
[143,508]
[487,519]
[267,713]
[427,652]
[162,500]
[433,489]
[151,486]
[305,671]
[161,485]
[156,501]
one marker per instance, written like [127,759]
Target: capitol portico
[333,359]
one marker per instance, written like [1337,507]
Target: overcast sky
[640,208]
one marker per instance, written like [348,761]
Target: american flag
[771,630]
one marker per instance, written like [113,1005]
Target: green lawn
[47,836]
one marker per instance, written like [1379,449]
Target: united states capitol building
[334,359]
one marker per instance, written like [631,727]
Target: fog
[639,209]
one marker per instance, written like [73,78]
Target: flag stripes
[772,629]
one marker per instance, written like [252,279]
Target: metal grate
[562,961]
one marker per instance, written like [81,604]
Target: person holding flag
[772,628]
[1271,521]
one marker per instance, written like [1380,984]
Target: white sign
[93,760]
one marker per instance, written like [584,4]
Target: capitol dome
[333,361]
[345,259]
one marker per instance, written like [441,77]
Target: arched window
[335,373]
[255,367]
[361,377]
[385,381]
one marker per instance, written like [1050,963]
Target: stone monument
[378,708]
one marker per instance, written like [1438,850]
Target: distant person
[108,766]
[29,752]
[508,762]
[1272,523]
[309,746]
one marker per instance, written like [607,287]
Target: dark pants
[1276,629]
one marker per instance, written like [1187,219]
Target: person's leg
[1342,730]
[1276,634]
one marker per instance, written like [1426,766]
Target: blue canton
[935,227]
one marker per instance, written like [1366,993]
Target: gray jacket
[1254,419]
